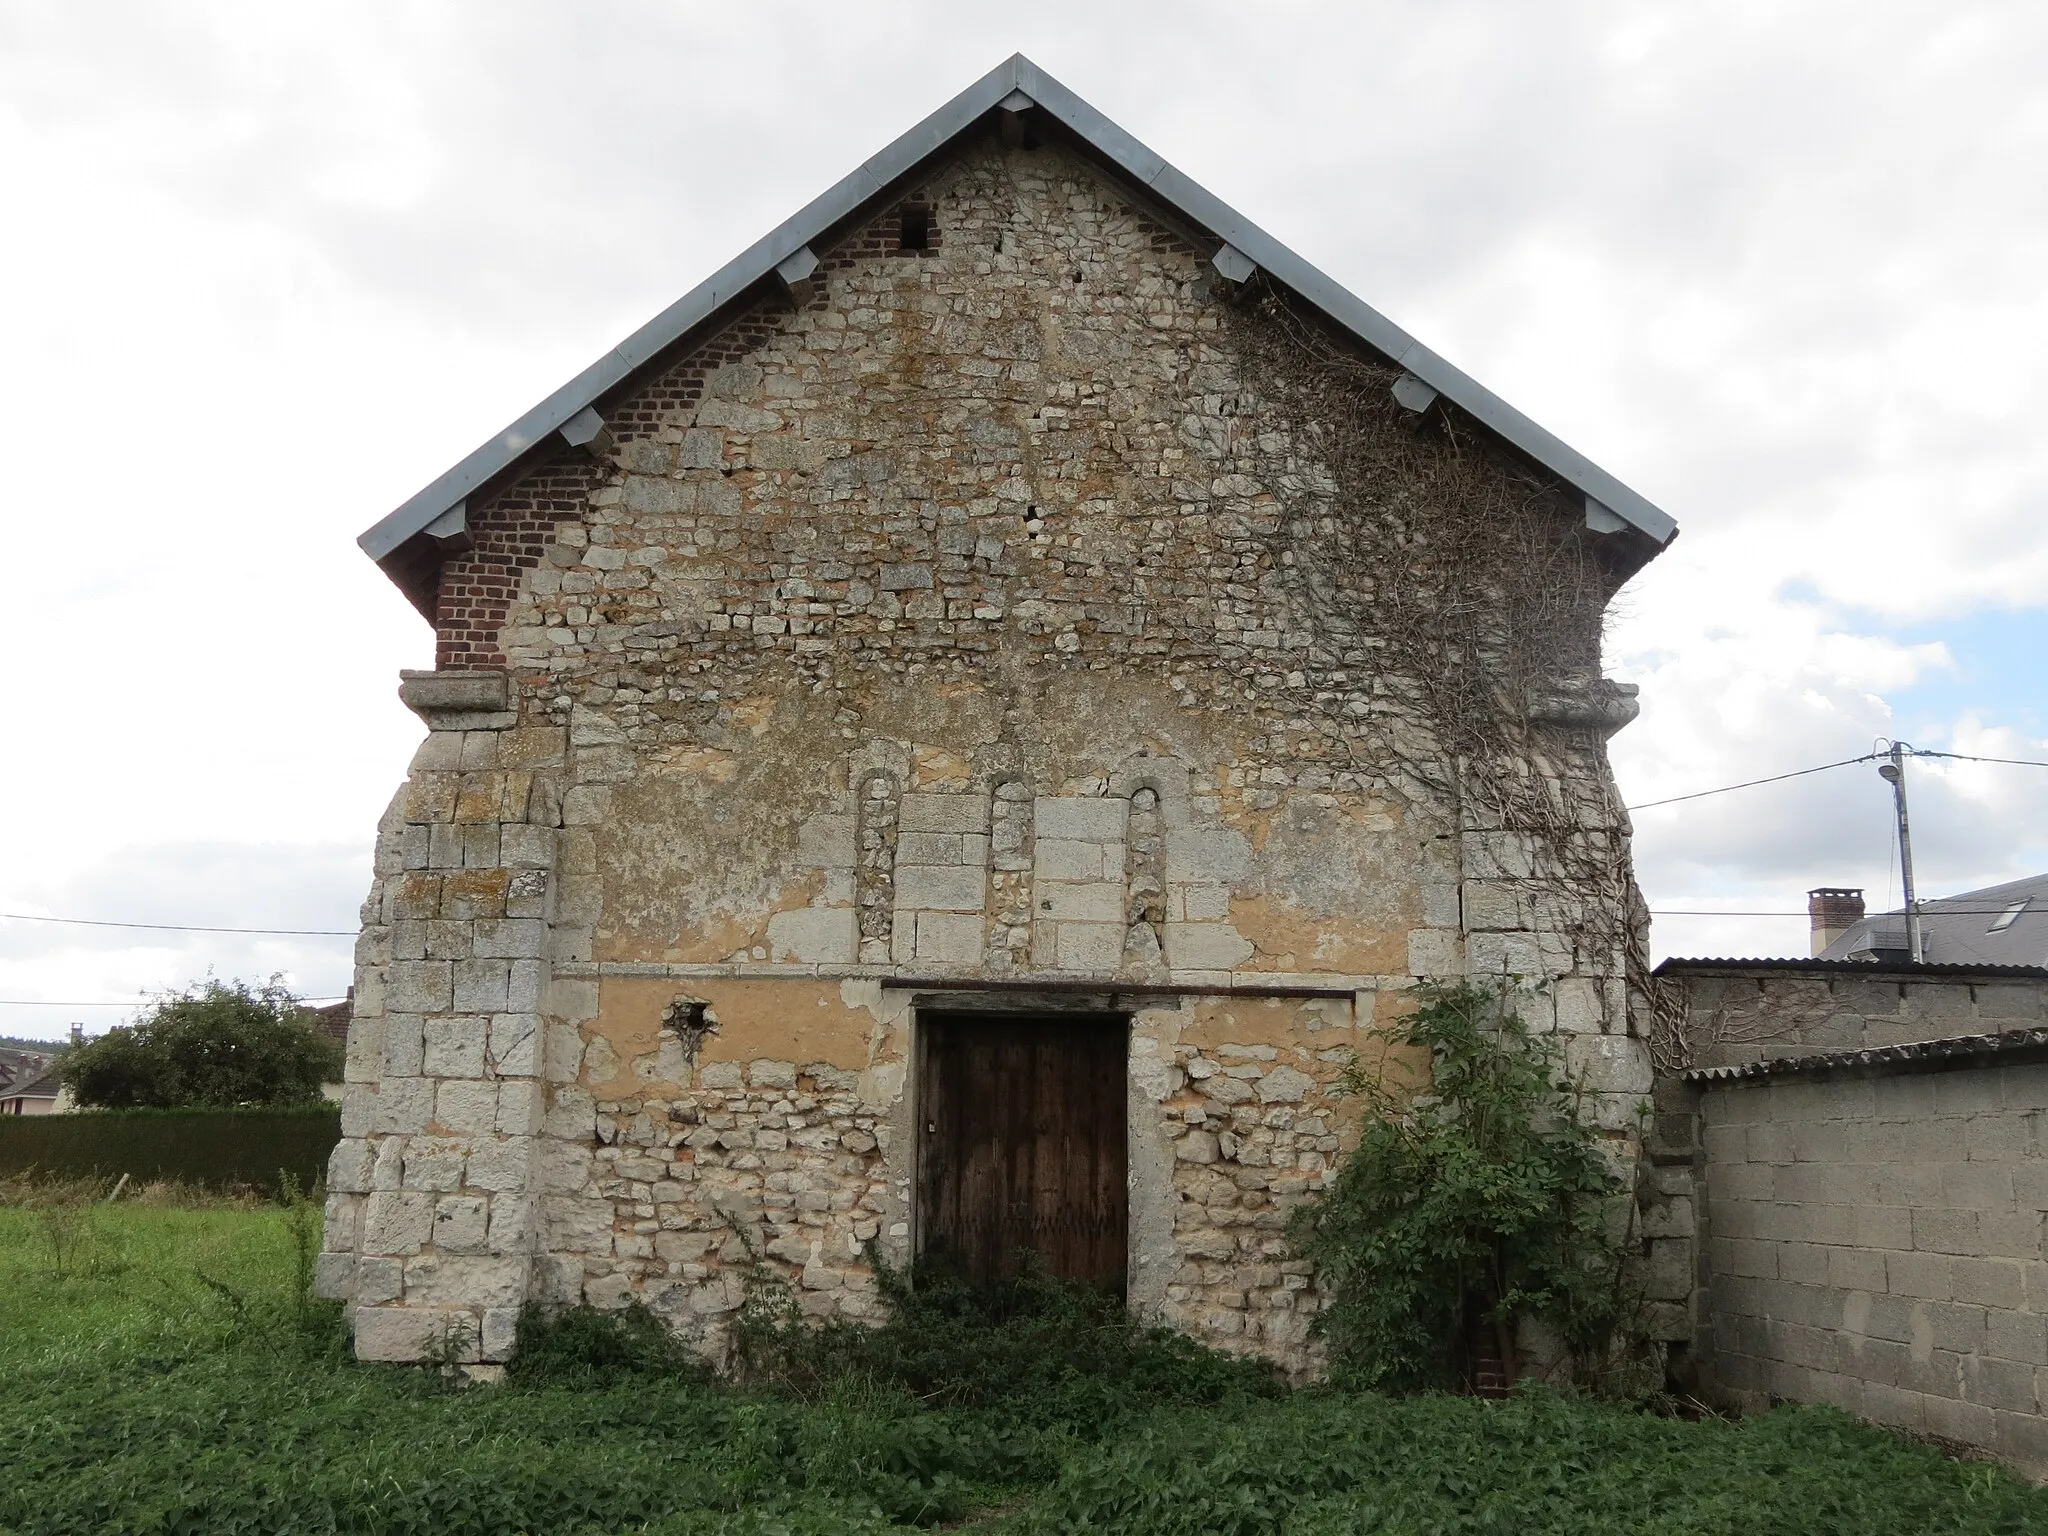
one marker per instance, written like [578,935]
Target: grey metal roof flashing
[1866,970]
[2015,1045]
[396,542]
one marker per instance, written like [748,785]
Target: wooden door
[1023,1124]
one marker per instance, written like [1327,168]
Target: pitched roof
[1999,925]
[1015,85]
[47,1086]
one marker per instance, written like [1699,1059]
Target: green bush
[582,1347]
[218,1044]
[1486,1201]
[216,1148]
[1043,1352]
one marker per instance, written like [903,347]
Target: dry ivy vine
[1464,583]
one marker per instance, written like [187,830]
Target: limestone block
[1200,903]
[504,1165]
[1491,905]
[573,1224]
[720,1075]
[949,938]
[402,1106]
[564,1165]
[928,888]
[931,811]
[334,1276]
[1096,947]
[464,1280]
[772,1074]
[1577,999]
[814,936]
[514,1044]
[1207,856]
[342,1222]
[461,1223]
[397,1221]
[1065,859]
[378,1280]
[1284,1085]
[358,1109]
[1102,902]
[521,1107]
[402,1333]
[431,1162]
[479,986]
[928,848]
[403,1045]
[421,986]
[1609,1063]
[557,1279]
[1205,946]
[363,1059]
[510,938]
[1196,1147]
[454,1046]
[826,841]
[526,983]
[466,1105]
[1434,952]
[500,1333]
[348,1166]
[1089,819]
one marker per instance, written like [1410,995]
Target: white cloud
[1775,266]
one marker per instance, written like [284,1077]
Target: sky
[270,269]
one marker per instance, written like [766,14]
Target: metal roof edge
[1919,1054]
[1872,969]
[1148,169]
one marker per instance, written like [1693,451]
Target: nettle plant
[1467,1210]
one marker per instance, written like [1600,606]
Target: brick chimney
[1833,910]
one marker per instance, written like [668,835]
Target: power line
[1868,757]
[134,1002]
[95,922]
[1800,773]
[1969,757]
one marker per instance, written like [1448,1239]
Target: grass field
[136,1397]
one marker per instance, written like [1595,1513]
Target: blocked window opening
[914,227]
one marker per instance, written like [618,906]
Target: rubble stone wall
[943,633]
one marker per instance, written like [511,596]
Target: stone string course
[947,624]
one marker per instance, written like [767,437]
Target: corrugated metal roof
[1924,1054]
[877,177]
[1867,969]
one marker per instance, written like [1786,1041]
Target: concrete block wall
[1876,1241]
[1724,1015]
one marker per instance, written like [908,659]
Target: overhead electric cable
[97,922]
[133,1002]
[1800,773]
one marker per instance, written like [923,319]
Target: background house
[1999,925]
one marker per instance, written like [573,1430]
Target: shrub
[222,1149]
[218,1044]
[583,1348]
[1487,1201]
[1046,1352]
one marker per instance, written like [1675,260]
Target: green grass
[136,1398]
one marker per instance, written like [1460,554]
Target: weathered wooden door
[1022,1119]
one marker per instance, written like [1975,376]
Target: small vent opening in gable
[914,227]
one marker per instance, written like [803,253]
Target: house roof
[2015,1045]
[1998,925]
[1015,85]
[1839,966]
[47,1086]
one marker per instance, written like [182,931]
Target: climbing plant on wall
[1465,1210]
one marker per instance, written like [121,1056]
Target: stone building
[953,737]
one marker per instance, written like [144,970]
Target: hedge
[219,1148]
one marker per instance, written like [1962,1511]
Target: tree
[216,1043]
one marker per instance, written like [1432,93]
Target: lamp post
[1893,772]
